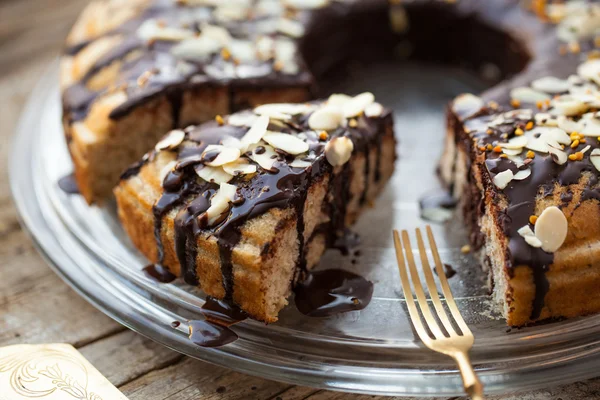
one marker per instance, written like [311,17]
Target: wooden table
[37,307]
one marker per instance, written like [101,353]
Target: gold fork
[455,344]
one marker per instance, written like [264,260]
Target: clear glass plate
[371,351]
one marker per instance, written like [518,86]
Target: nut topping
[551,229]
[286,142]
[171,141]
[339,150]
[326,118]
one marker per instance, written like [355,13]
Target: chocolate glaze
[283,187]
[332,291]
[68,184]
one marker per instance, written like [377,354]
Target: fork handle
[471,382]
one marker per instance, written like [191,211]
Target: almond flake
[558,155]
[306,4]
[212,174]
[545,119]
[220,202]
[595,158]
[339,150]
[502,179]
[152,30]
[290,27]
[512,152]
[242,119]
[299,163]
[217,33]
[585,149]
[266,158]
[517,142]
[589,127]
[196,49]
[467,105]
[590,70]
[523,174]
[170,166]
[283,111]
[171,141]
[338,99]
[568,105]
[374,110]
[528,95]
[256,131]
[357,104]
[326,118]
[286,142]
[551,228]
[239,167]
[225,156]
[551,84]
[529,236]
[567,124]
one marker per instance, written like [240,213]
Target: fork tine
[439,307]
[445,287]
[410,301]
[421,298]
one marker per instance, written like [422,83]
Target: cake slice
[242,206]
[525,168]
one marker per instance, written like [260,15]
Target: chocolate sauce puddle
[68,184]
[159,273]
[437,207]
[214,331]
[332,291]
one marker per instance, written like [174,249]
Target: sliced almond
[567,124]
[551,228]
[466,105]
[338,99]
[171,141]
[286,142]
[528,95]
[283,111]
[256,131]
[212,174]
[545,119]
[357,105]
[220,202]
[529,236]
[374,110]
[595,158]
[264,155]
[151,29]
[326,118]
[502,179]
[568,105]
[523,174]
[235,143]
[551,84]
[590,70]
[196,49]
[225,156]
[240,166]
[306,4]
[290,27]
[170,166]
[589,127]
[585,149]
[339,150]
[242,119]
[299,163]
[517,142]
[217,33]
[559,156]
[512,152]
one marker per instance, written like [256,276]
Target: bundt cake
[243,204]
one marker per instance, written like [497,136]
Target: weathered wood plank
[192,380]
[126,356]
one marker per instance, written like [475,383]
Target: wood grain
[37,307]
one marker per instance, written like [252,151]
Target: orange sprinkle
[533,219]
[219,120]
[582,141]
[277,65]
[352,123]
[225,53]
[574,144]
[490,148]
[539,104]
[519,132]
[530,154]
[529,125]
[574,47]
[489,131]
[515,103]
[497,149]
[562,50]
[503,156]
[323,135]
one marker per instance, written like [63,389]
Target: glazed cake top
[540,141]
[146,46]
[234,168]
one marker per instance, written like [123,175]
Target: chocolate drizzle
[282,187]
[159,273]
